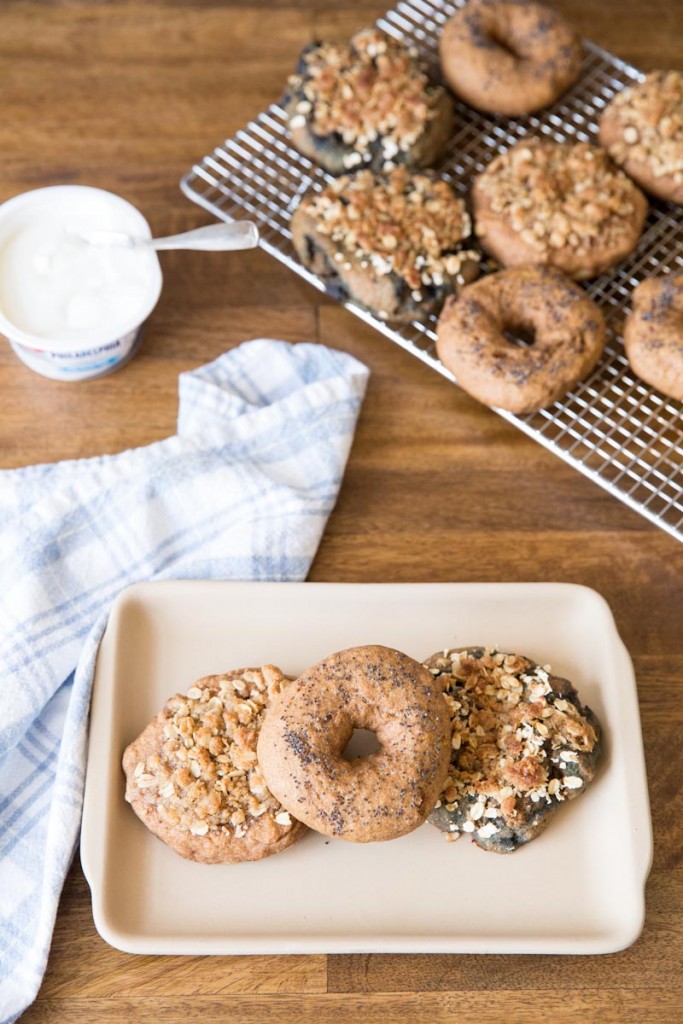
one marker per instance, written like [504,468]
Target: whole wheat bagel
[307,728]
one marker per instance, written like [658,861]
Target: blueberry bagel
[394,244]
[522,745]
[366,103]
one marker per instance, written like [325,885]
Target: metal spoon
[239,234]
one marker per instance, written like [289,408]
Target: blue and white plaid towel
[242,492]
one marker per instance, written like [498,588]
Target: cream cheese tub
[72,310]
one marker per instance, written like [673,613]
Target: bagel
[368,103]
[523,744]
[642,128]
[509,56]
[566,327]
[394,244]
[559,204]
[653,335]
[307,728]
[193,779]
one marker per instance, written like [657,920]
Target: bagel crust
[368,103]
[557,204]
[567,328]
[653,335]
[192,776]
[509,56]
[307,728]
[523,744]
[642,128]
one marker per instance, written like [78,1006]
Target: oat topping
[556,195]
[651,116]
[206,777]
[368,90]
[516,741]
[408,224]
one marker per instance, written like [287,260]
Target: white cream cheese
[65,301]
[54,285]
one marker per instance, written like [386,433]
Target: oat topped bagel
[560,204]
[193,778]
[395,244]
[307,728]
[509,56]
[366,103]
[643,130]
[523,744]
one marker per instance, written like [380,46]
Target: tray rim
[93,846]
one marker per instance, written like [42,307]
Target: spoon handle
[239,234]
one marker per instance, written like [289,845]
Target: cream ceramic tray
[578,888]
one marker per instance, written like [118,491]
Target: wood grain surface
[125,96]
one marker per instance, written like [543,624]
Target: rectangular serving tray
[577,888]
[612,427]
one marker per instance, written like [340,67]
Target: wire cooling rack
[612,427]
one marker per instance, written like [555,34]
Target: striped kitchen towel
[241,492]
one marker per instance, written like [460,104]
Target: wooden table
[125,96]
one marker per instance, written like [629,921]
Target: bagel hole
[363,742]
[521,335]
[498,39]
